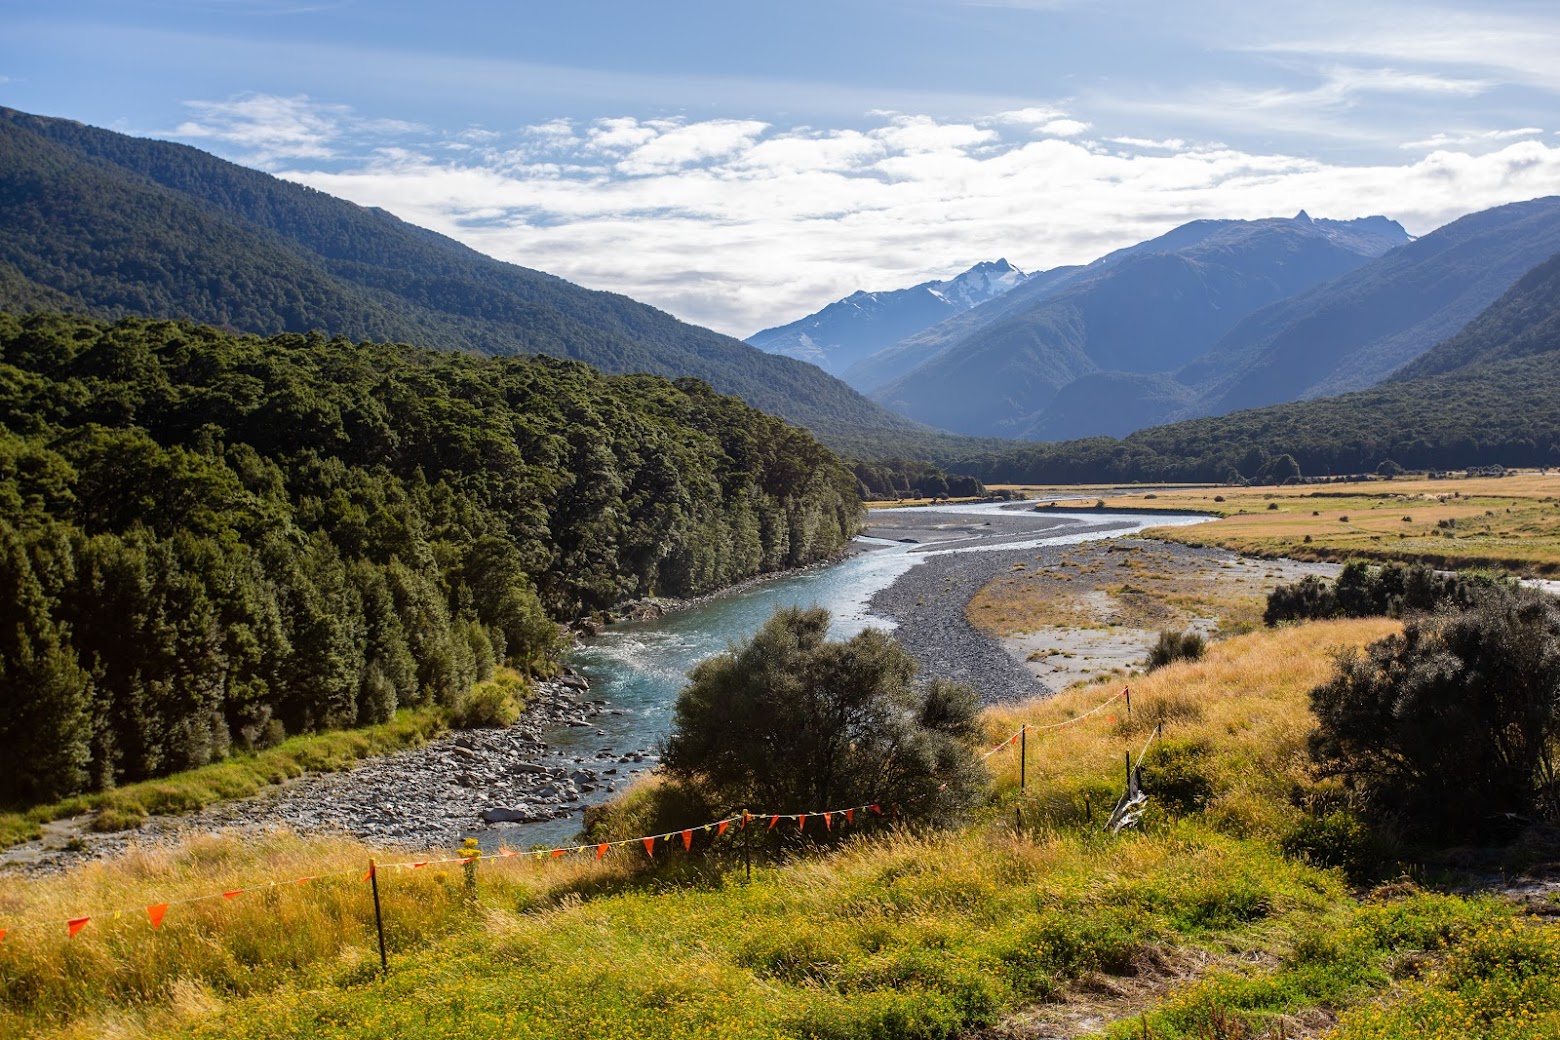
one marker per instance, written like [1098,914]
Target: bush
[497,702]
[1176,646]
[792,722]
[1452,724]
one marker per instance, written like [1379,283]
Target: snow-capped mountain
[864,322]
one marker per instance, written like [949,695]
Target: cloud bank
[740,224]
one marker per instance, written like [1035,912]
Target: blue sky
[742,163]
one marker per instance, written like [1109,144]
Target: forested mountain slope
[110,225]
[1523,322]
[1355,331]
[1492,396]
[210,540]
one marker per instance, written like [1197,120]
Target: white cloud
[1470,139]
[270,129]
[1064,127]
[740,225]
[681,146]
[1028,116]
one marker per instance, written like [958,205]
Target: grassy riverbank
[496,700]
[1200,918]
[1507,523]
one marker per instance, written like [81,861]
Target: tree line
[210,541]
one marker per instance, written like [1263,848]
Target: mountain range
[1142,311]
[1212,317]
[1490,394]
[863,323]
[108,225]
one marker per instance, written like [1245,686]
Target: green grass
[497,701]
[891,934]
[237,777]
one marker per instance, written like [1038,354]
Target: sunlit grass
[1508,523]
[893,934]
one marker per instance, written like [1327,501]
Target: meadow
[1226,914]
[1509,524]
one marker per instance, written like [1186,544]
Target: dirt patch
[1101,607]
[1094,1003]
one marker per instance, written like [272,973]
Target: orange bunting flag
[601,850]
[746,816]
[850,816]
[468,859]
[371,871]
[506,853]
[1110,718]
[2,935]
[877,809]
[722,828]
[303,881]
[558,852]
[650,847]
[155,912]
[77,924]
[687,839]
[424,863]
[772,821]
[235,892]
[828,821]
[801,822]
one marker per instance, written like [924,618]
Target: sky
[743,163]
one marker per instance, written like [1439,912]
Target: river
[638,667]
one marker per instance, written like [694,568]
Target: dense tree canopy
[210,540]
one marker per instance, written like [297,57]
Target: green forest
[211,541]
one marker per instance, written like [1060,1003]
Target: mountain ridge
[189,235]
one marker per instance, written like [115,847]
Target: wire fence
[831,821]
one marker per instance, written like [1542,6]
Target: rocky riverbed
[475,782]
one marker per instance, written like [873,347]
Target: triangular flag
[506,853]
[828,821]
[468,859]
[876,809]
[155,912]
[235,892]
[687,839]
[722,828]
[650,847]
[304,880]
[77,924]
[601,850]
[371,871]
[850,816]
[746,816]
[558,852]
[801,822]
[772,821]
[424,863]
[2,935]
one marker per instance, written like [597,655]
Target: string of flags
[1125,691]
[829,819]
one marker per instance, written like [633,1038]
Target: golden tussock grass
[1507,523]
[1243,708]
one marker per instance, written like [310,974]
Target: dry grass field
[1508,524]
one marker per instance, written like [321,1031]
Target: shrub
[791,721]
[1176,646]
[1452,724]
[496,702]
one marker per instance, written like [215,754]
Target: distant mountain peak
[864,322]
[1302,217]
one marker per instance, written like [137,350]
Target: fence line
[157,911]
[1125,691]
